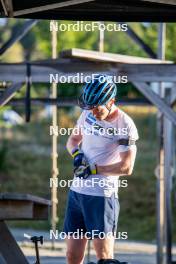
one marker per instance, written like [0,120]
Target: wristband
[93,169]
[75,152]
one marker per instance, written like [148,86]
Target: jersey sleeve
[132,131]
[80,121]
[132,134]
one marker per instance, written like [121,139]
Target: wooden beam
[148,72]
[16,210]
[131,15]
[24,197]
[64,102]
[157,101]
[167,2]
[9,5]
[173,95]
[108,57]
[23,210]
[108,9]
[132,34]
[14,206]
[168,181]
[40,72]
[50,7]
[4,7]
[9,93]
[16,36]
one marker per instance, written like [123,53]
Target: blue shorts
[93,215]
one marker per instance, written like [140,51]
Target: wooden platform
[97,56]
[14,206]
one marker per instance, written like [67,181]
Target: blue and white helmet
[99,91]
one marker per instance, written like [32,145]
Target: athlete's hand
[82,168]
[78,158]
[84,171]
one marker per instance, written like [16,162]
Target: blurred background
[25,148]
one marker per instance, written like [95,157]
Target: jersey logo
[97,129]
[89,121]
[90,116]
[97,126]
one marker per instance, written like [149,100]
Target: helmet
[99,91]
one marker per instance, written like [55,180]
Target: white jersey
[100,146]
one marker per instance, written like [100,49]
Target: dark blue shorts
[95,215]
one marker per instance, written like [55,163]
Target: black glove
[82,168]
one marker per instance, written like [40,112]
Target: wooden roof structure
[139,71]
[86,61]
[99,10]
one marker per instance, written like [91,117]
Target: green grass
[27,168]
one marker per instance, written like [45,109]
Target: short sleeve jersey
[100,146]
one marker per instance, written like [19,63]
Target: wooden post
[101,38]
[168,180]
[55,170]
[160,191]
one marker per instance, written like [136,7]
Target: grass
[26,158]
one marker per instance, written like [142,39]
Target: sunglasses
[86,106]
[83,105]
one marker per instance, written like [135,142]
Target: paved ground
[132,258]
[133,252]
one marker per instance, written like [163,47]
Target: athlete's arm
[122,168]
[74,139]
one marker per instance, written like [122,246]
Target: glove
[79,158]
[83,172]
[82,168]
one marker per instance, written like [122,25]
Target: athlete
[103,149]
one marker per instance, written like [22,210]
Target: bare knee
[104,254]
[74,257]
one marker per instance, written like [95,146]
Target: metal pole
[55,171]
[160,192]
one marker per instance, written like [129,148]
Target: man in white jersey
[103,148]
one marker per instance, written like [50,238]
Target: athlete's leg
[74,224]
[101,216]
[75,250]
[104,248]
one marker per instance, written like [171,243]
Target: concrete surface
[133,252]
